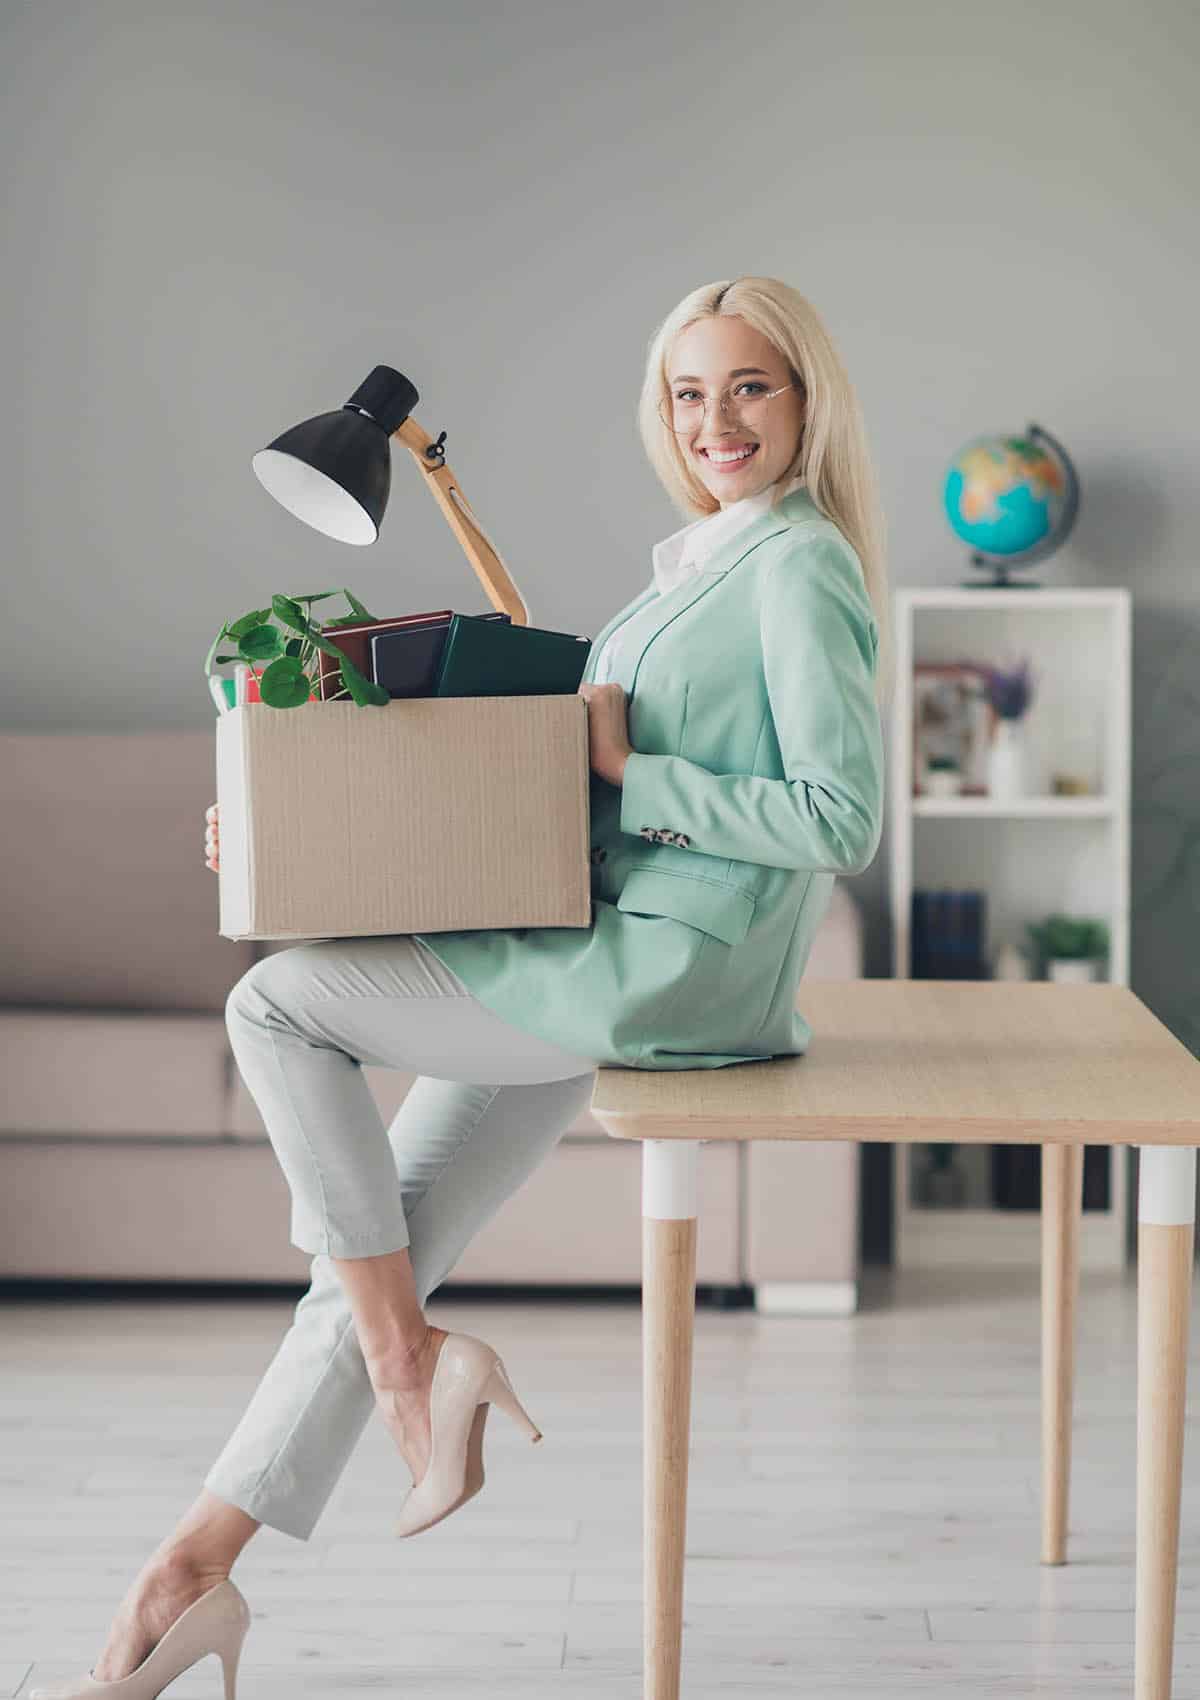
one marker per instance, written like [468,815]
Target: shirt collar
[687,550]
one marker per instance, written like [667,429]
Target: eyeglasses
[686,409]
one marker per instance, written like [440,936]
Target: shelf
[1078,643]
[940,1239]
[1023,808]
[1019,598]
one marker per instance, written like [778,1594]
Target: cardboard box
[428,814]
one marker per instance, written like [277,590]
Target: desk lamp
[334,472]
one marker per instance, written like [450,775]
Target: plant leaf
[364,691]
[359,610]
[284,684]
[291,614]
[260,643]
[247,622]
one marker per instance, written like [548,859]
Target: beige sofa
[130,1148]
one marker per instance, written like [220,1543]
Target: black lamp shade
[335,471]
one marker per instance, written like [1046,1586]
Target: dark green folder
[486,658]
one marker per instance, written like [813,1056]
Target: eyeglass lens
[749,401]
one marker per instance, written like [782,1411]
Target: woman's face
[708,357]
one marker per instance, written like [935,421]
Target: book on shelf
[948,935]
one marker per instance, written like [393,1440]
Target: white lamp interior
[313,497]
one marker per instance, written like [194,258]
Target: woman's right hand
[212,839]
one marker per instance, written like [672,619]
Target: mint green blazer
[757,778]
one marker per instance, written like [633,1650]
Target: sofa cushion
[106,900]
[108,1073]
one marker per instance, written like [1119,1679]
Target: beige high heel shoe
[215,1623]
[467,1378]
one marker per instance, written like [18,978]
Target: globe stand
[1001,580]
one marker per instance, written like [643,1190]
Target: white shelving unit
[1040,854]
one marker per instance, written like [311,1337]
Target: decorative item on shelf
[1071,785]
[285,681]
[1013,501]
[1070,948]
[940,1181]
[951,717]
[1010,695]
[1011,963]
[943,777]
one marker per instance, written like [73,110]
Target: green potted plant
[943,776]
[1069,947]
[285,669]
[940,1181]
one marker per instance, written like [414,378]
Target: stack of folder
[443,654]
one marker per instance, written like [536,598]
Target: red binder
[355,644]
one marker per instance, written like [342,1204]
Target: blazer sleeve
[819,645]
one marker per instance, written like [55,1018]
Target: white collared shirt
[686,552]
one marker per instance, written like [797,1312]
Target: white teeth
[722,459]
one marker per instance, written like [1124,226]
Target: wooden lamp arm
[499,588]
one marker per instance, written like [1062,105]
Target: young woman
[737,768]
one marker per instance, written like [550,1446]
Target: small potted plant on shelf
[286,681]
[940,1181]
[943,777]
[1070,947]
[1010,695]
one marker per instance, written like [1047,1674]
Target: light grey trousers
[490,1102]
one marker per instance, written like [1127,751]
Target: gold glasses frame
[666,407]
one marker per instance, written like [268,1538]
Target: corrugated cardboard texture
[425,815]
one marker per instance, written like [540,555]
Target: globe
[1012,500]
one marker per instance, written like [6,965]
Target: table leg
[1062,1210]
[669,1186]
[1166,1232]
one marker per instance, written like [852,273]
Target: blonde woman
[734,711]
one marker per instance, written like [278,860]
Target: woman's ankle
[206,1541]
[407,1364]
[184,1563]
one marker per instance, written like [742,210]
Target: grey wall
[218,217]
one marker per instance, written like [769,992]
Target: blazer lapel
[798,505]
[605,631]
[723,561]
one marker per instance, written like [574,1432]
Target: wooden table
[978,1061]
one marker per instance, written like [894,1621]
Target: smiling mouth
[735,456]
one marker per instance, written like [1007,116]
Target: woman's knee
[267,983]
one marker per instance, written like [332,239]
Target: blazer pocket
[715,908]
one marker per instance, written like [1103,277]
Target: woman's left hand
[608,730]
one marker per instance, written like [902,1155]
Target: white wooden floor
[863,1513]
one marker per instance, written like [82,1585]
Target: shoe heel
[499,1391]
[229,1664]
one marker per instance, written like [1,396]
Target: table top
[972,1061]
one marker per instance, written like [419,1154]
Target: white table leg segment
[670,1178]
[670,1169]
[1167,1184]
[1165,1248]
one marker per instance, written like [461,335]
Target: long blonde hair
[832,455]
